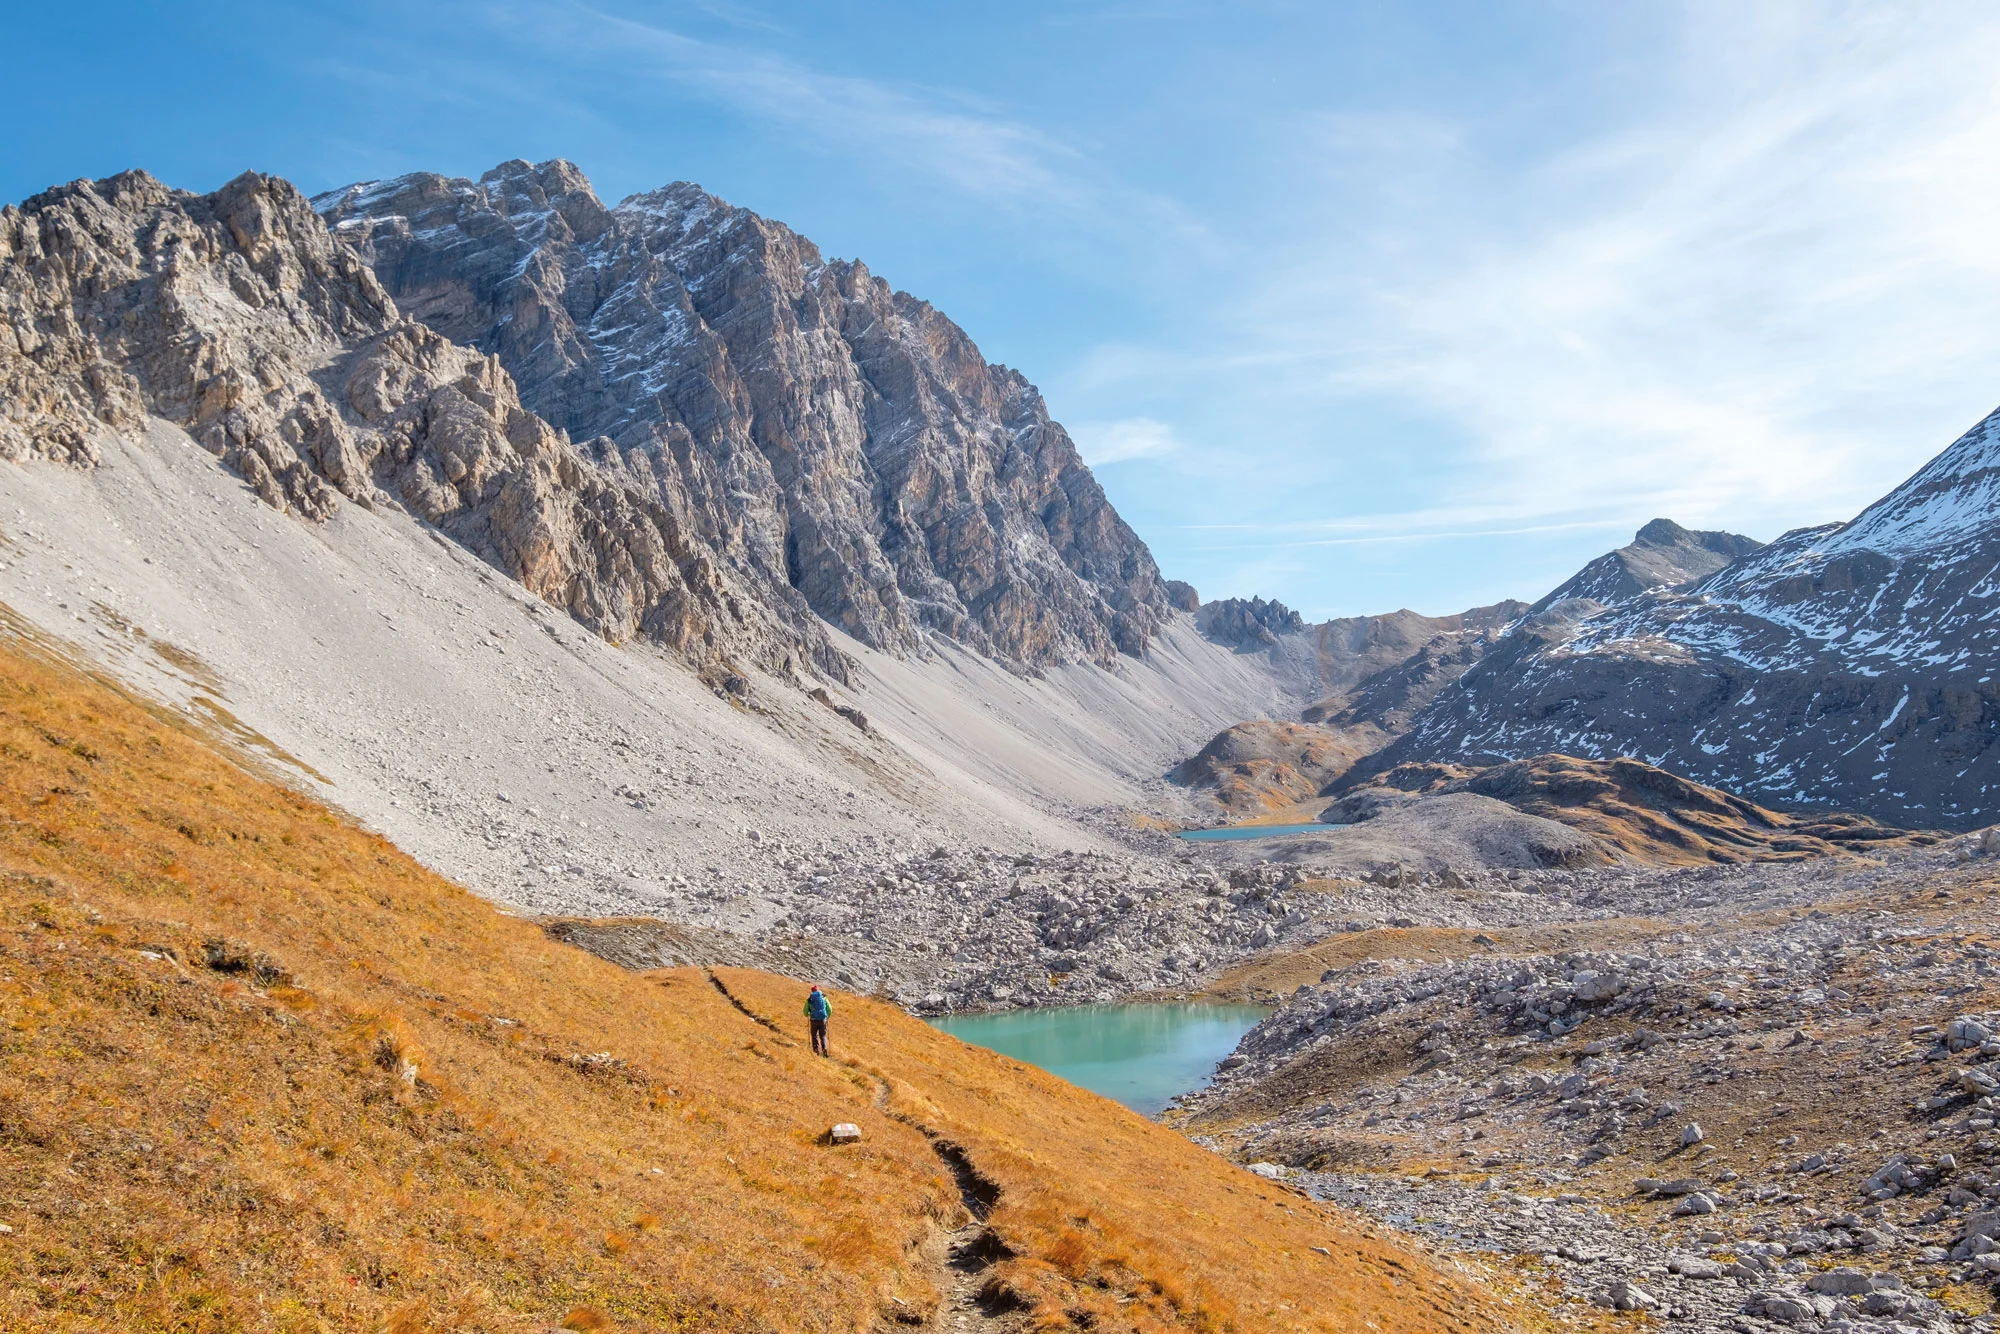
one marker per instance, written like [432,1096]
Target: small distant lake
[1229,833]
[1140,1055]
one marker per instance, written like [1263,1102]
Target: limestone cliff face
[236,316]
[831,436]
[1247,622]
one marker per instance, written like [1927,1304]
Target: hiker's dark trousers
[819,1036]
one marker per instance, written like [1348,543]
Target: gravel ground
[1780,1084]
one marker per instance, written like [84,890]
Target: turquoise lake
[1140,1055]
[1230,833]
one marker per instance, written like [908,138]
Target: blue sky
[1356,305]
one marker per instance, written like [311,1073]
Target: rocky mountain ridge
[1647,815]
[1370,675]
[237,317]
[1662,555]
[1843,667]
[839,438]
[1247,622]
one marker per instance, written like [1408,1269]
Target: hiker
[819,1010]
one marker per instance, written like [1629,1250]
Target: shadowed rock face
[832,436]
[1351,650]
[237,317]
[1380,670]
[1845,667]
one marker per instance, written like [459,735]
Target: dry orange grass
[261,1071]
[1117,1223]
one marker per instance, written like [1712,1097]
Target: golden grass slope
[261,1071]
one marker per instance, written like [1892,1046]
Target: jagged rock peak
[124,297]
[1247,621]
[238,318]
[840,439]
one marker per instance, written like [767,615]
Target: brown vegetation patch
[261,1071]
[1654,816]
[1109,1218]
[1261,765]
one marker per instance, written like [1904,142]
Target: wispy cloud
[946,138]
[1454,323]
[1121,441]
[1767,297]
[1384,532]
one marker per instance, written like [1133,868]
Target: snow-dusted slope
[1662,555]
[1851,665]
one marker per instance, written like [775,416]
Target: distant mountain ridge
[826,434]
[1847,666]
[1662,555]
[1379,677]
[1368,676]
[1247,622]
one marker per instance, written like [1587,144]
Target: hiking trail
[955,1261]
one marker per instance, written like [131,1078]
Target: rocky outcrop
[1662,555]
[1437,832]
[842,439]
[1264,765]
[122,299]
[1352,651]
[1841,667]
[238,318]
[1247,622]
[1380,672]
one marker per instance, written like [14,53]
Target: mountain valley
[558,631]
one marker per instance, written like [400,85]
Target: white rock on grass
[1695,1267]
[1625,1296]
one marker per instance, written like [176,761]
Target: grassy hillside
[261,1071]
